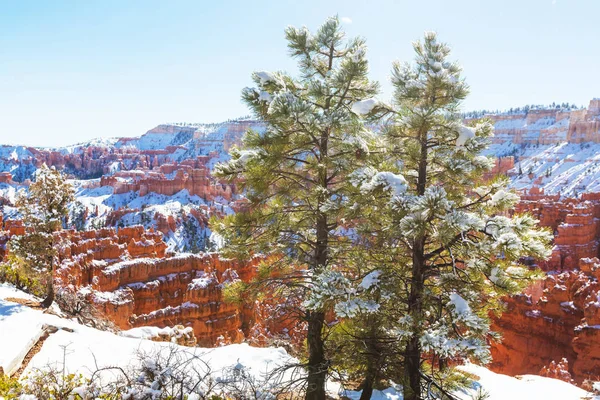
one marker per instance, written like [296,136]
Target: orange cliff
[169,179]
[584,125]
[130,277]
[574,222]
[93,161]
[559,320]
[548,126]
[6,177]
[554,328]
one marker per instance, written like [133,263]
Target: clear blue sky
[75,70]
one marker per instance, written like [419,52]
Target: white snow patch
[363,107]
[265,77]
[370,280]
[465,133]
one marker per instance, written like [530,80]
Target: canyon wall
[558,319]
[574,222]
[131,278]
[164,144]
[127,274]
[169,179]
[548,126]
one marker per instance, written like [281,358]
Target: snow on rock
[363,107]
[202,281]
[566,169]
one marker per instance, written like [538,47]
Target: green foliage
[77,216]
[43,209]
[49,384]
[46,204]
[46,384]
[19,274]
[296,172]
[438,229]
[235,292]
[10,388]
[193,234]
[376,213]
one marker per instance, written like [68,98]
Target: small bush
[47,384]
[10,388]
[16,274]
[77,306]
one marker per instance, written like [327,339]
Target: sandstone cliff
[558,318]
[129,275]
[574,222]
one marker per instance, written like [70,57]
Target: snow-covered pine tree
[295,176]
[43,209]
[453,245]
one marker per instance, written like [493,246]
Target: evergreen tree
[43,209]
[453,247]
[77,216]
[295,176]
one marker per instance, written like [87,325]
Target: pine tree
[453,248]
[295,176]
[43,209]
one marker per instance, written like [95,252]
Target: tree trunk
[367,390]
[49,294]
[317,364]
[367,386]
[412,384]
[47,302]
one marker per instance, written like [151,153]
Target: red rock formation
[183,289]
[135,283]
[502,166]
[195,178]
[129,276]
[584,125]
[6,177]
[558,370]
[562,322]
[147,152]
[548,126]
[14,227]
[575,223]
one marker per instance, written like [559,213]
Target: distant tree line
[523,110]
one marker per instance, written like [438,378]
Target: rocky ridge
[557,319]
[132,278]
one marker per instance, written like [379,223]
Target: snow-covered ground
[566,169]
[84,349]
[177,206]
